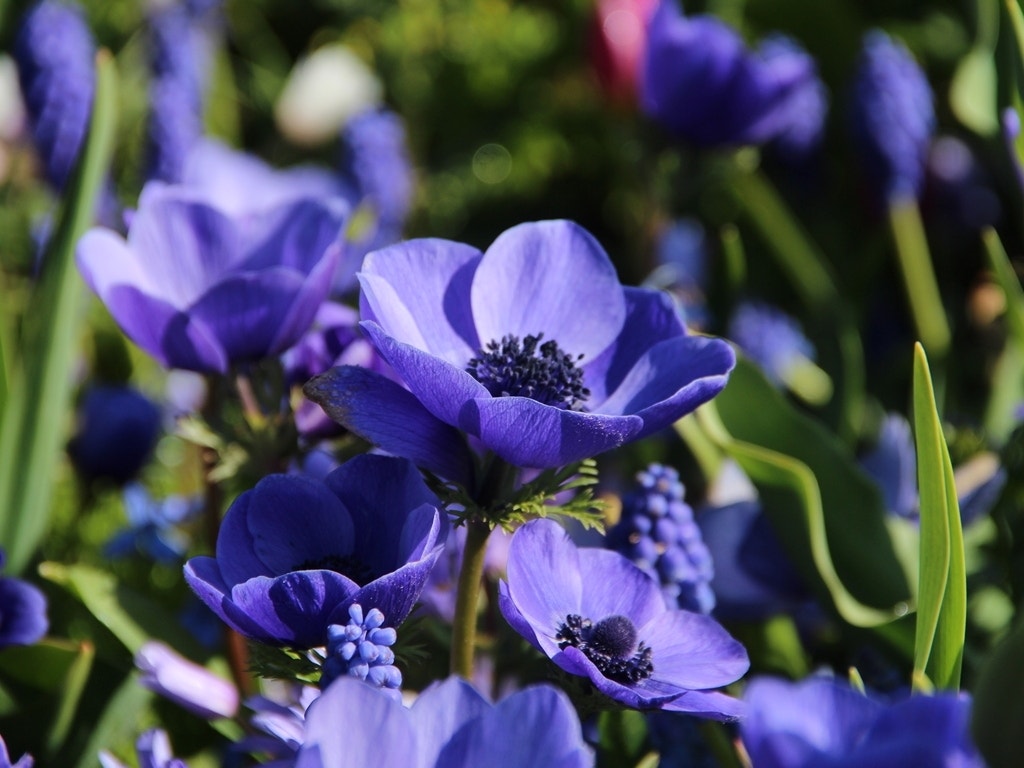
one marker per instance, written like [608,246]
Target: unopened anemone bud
[55,54]
[362,649]
[657,532]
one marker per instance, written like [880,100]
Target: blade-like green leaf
[942,595]
[1008,281]
[120,721]
[71,696]
[130,616]
[32,430]
[823,507]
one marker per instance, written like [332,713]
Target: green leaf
[43,666]
[129,615]
[942,592]
[71,697]
[623,734]
[828,515]
[32,430]
[998,710]
[119,722]
[1007,279]
[972,94]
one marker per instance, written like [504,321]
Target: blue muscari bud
[179,54]
[770,338]
[56,54]
[118,428]
[657,532]
[362,648]
[891,115]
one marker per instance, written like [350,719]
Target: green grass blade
[33,429]
[942,593]
[1007,279]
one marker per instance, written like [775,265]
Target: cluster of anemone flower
[417,502]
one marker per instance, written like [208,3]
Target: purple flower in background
[152,526]
[281,717]
[166,672]
[56,54]
[657,533]
[153,750]
[25,761]
[702,84]
[754,578]
[333,340]
[377,171]
[682,266]
[23,619]
[597,615]
[117,430]
[448,726]
[180,52]
[892,464]
[533,348]
[772,339]
[824,723]
[203,282]
[803,122]
[362,649]
[294,553]
[891,116]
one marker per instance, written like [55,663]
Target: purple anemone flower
[23,619]
[533,348]
[203,282]
[294,553]
[702,84]
[597,615]
[824,723]
[449,725]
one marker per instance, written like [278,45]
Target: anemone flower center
[347,565]
[527,368]
[611,644]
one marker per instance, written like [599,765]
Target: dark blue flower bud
[118,428]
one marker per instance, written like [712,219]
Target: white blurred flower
[323,91]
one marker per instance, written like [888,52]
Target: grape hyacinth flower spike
[294,553]
[206,279]
[597,615]
[534,349]
[891,115]
[55,53]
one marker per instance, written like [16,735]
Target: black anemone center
[611,644]
[346,565]
[527,368]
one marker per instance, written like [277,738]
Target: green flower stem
[791,246]
[213,502]
[467,597]
[919,277]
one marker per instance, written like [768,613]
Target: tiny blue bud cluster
[55,53]
[658,533]
[362,648]
[610,644]
[541,372]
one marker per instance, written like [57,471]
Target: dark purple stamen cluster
[610,644]
[541,372]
